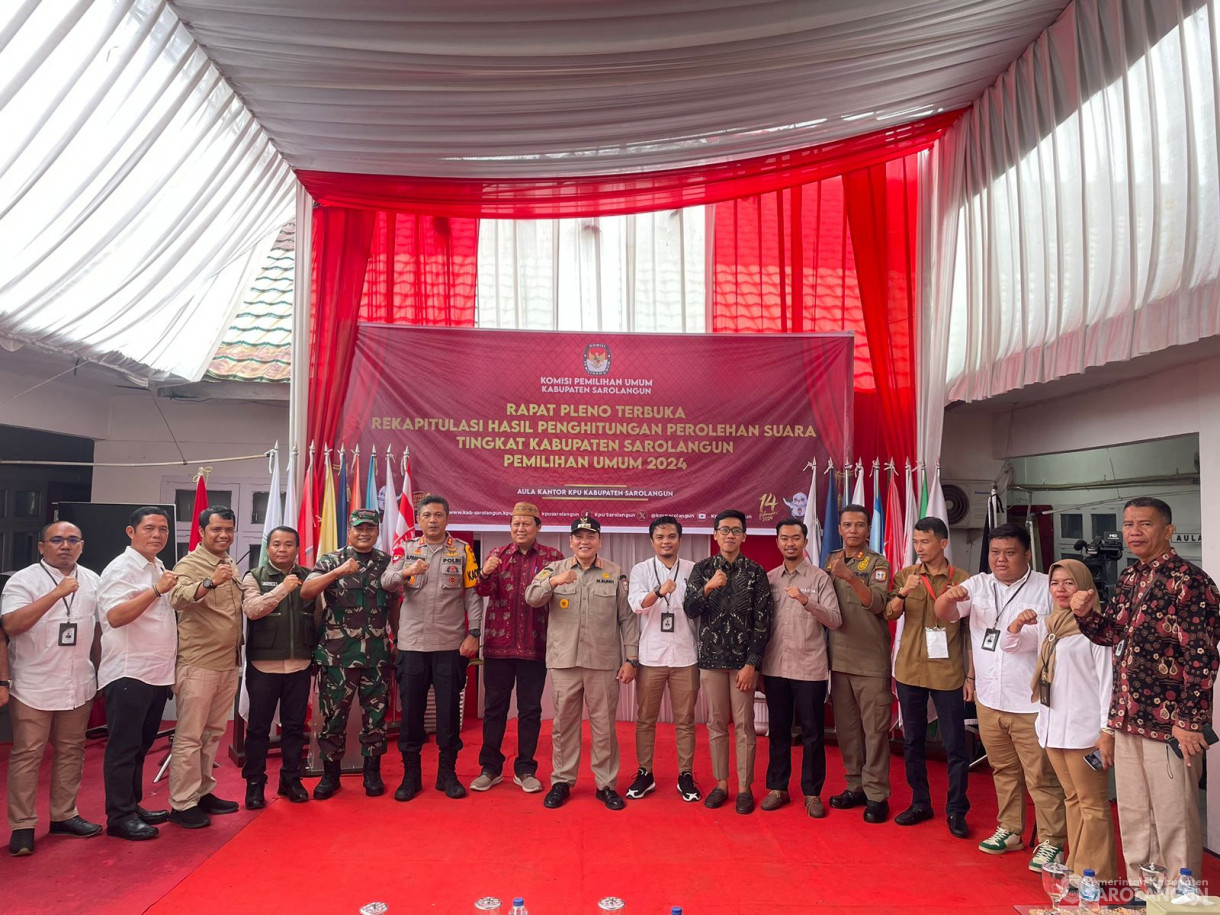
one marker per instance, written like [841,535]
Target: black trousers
[291,693]
[133,717]
[951,723]
[499,676]
[805,702]
[446,672]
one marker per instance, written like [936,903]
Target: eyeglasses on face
[60,541]
[730,531]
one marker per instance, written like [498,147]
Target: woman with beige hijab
[1072,683]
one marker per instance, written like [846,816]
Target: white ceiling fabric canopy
[556,88]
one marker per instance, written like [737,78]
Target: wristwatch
[6,683]
[476,632]
[634,662]
[207,584]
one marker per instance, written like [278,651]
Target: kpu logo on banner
[597,359]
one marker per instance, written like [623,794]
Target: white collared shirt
[46,675]
[657,648]
[146,647]
[1080,693]
[1002,677]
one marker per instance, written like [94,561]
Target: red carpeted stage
[437,855]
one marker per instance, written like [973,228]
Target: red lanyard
[932,591]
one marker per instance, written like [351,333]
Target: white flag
[273,517]
[389,514]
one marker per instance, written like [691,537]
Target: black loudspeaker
[104,527]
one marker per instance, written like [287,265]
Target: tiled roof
[258,344]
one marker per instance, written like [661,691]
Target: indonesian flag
[895,529]
[404,526]
[201,502]
[307,522]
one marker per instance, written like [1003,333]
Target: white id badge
[991,638]
[938,643]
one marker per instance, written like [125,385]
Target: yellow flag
[328,531]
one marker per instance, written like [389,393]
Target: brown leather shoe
[813,806]
[774,800]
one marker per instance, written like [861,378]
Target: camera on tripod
[1100,556]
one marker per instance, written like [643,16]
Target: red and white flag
[404,525]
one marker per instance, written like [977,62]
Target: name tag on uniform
[667,622]
[991,638]
[937,641]
[67,635]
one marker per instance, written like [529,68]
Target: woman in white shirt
[1072,682]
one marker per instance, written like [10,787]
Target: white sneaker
[1001,841]
[486,781]
[528,783]
[1045,853]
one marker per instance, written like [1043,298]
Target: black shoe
[448,782]
[76,826]
[644,784]
[745,801]
[191,818]
[22,843]
[291,788]
[557,796]
[848,799]
[610,798]
[957,826]
[255,800]
[877,812]
[411,785]
[373,785]
[210,803]
[134,828]
[328,784]
[914,814]
[152,817]
[686,787]
[715,798]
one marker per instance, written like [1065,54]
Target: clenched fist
[351,567]
[668,586]
[167,581]
[563,578]
[67,586]
[958,593]
[291,582]
[223,573]
[719,580]
[1082,601]
[490,566]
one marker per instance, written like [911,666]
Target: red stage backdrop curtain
[384,267]
[833,255]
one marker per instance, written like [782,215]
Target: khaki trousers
[723,699]
[576,688]
[1090,824]
[650,683]
[204,699]
[33,729]
[1158,806]
[1018,763]
[862,707]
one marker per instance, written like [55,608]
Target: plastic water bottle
[1186,884]
[518,907]
[1089,892]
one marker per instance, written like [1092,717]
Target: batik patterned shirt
[734,621]
[511,627]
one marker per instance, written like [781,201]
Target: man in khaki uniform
[590,627]
[208,600]
[860,668]
[932,661]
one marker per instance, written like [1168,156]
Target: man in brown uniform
[933,657]
[860,668]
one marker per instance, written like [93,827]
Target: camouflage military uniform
[354,653]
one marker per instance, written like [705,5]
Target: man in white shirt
[139,643]
[1007,716]
[668,657]
[49,613]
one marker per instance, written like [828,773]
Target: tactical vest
[288,631]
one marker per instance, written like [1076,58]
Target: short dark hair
[225,513]
[1162,508]
[433,499]
[42,534]
[859,510]
[934,526]
[793,522]
[664,519]
[730,513]
[284,528]
[144,511]
[1010,532]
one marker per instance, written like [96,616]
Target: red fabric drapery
[609,195]
[833,255]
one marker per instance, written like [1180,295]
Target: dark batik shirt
[511,627]
[1165,614]
[734,621]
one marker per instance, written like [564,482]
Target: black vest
[288,631]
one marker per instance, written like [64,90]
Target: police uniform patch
[879,575]
[545,573]
[564,603]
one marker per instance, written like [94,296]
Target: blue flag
[370,488]
[831,540]
[341,507]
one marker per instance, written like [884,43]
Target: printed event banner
[624,426]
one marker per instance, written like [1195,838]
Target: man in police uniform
[590,628]
[437,575]
[353,653]
[860,668]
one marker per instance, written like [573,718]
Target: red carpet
[438,855]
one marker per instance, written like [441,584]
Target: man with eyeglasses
[730,596]
[49,613]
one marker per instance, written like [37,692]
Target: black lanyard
[656,573]
[995,596]
[67,603]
